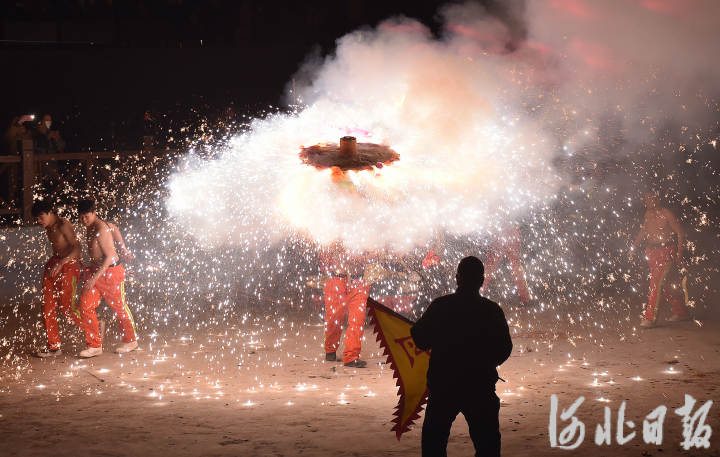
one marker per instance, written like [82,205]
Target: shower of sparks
[225,234]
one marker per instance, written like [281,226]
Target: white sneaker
[91,352]
[647,324]
[49,353]
[127,347]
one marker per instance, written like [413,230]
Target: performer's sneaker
[127,347]
[91,352]
[357,363]
[676,318]
[647,324]
[331,356]
[49,353]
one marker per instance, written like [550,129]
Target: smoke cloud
[484,117]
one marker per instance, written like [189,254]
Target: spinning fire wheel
[348,154]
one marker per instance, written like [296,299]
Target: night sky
[97,66]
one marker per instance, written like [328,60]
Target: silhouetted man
[469,338]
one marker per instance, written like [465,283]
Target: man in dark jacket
[469,338]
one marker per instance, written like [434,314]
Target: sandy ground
[253,389]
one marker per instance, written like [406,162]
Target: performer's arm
[677,228]
[105,242]
[422,332]
[118,239]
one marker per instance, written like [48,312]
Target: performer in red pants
[111,287]
[659,228]
[345,294]
[61,276]
[507,245]
[103,278]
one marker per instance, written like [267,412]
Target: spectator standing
[48,141]
[14,135]
[47,138]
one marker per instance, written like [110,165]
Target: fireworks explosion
[556,133]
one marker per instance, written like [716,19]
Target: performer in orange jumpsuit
[507,245]
[61,276]
[659,228]
[103,278]
[345,294]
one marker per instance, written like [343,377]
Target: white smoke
[643,62]
[476,116]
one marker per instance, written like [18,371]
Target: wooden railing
[28,160]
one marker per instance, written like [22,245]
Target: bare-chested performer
[665,240]
[61,276]
[104,278]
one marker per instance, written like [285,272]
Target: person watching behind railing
[12,145]
[47,138]
[14,134]
[48,141]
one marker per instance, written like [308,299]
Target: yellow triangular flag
[409,363]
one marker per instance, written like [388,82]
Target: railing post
[89,164]
[28,178]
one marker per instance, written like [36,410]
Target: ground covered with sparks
[262,387]
[556,138]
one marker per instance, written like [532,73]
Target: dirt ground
[253,389]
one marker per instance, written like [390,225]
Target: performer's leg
[112,288]
[440,413]
[494,257]
[335,309]
[70,278]
[518,270]
[672,291]
[50,310]
[388,300]
[404,303]
[398,303]
[357,303]
[658,260]
[89,300]
[677,302]
[481,413]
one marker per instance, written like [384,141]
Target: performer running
[61,276]
[507,245]
[104,278]
[345,293]
[659,228]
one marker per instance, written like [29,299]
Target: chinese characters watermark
[696,433]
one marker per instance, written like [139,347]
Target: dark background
[97,65]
